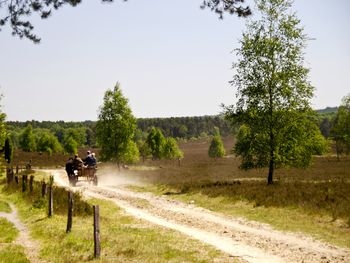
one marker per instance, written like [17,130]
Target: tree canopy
[156,142]
[48,142]
[27,139]
[216,147]
[16,13]
[115,128]
[341,129]
[273,91]
[171,150]
[5,143]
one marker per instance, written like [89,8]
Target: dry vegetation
[323,187]
[319,193]
[321,190]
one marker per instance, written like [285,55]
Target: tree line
[84,132]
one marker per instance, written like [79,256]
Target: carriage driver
[70,168]
[77,162]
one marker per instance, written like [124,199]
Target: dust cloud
[110,175]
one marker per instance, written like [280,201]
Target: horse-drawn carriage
[86,172]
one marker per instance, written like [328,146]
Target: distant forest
[177,127]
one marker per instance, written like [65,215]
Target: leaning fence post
[97,246]
[24,182]
[31,180]
[50,212]
[70,212]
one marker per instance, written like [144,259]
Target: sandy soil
[247,240]
[30,246]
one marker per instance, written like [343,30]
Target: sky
[170,57]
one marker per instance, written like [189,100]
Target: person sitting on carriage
[89,160]
[70,168]
[77,162]
[93,158]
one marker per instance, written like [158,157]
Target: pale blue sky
[171,58]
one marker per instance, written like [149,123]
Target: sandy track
[249,241]
[30,246]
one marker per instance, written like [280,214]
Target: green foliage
[144,149]
[5,207]
[13,253]
[27,139]
[8,150]
[2,129]
[186,127]
[90,137]
[156,142]
[341,129]
[171,150]
[78,134]
[48,143]
[132,155]
[179,127]
[8,231]
[216,148]
[115,127]
[274,92]
[325,127]
[71,146]
[14,138]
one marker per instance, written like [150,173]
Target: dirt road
[249,241]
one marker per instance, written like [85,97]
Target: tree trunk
[337,150]
[271,169]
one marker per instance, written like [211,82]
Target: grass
[123,238]
[8,231]
[9,252]
[5,207]
[12,253]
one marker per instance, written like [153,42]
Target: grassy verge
[12,253]
[4,207]
[252,201]
[8,231]
[123,238]
[9,252]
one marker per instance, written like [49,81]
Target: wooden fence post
[50,212]
[24,182]
[9,175]
[43,189]
[17,168]
[70,212]
[16,179]
[97,245]
[31,181]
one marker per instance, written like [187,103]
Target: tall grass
[8,231]
[60,197]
